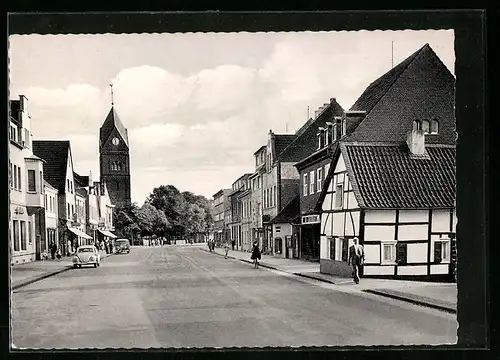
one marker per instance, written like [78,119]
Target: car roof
[121,240]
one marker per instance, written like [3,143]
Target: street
[182,296]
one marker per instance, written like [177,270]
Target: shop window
[442,250]
[401,253]
[31,180]
[15,229]
[23,235]
[388,249]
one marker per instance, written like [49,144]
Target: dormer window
[428,127]
[321,138]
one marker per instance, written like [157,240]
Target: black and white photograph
[232,190]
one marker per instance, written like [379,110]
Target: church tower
[114,158]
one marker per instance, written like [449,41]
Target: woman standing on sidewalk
[255,255]
[226,249]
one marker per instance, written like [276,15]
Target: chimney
[416,142]
[338,127]
[333,100]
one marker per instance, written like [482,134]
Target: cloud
[198,129]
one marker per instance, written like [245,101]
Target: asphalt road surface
[182,296]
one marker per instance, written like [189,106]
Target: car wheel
[75,266]
[95,265]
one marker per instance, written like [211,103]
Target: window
[10,174]
[275,197]
[45,202]
[388,249]
[401,253]
[15,177]
[319,181]
[334,132]
[345,249]
[305,184]
[71,186]
[15,229]
[344,126]
[434,128]
[13,133]
[32,180]
[311,184]
[30,232]
[442,250]
[41,183]
[69,212]
[425,126]
[339,196]
[51,200]
[23,235]
[332,242]
[19,178]
[416,125]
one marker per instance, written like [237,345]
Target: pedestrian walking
[53,249]
[256,256]
[58,254]
[356,259]
[233,243]
[226,250]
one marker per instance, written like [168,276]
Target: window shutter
[345,249]
[401,253]
[438,252]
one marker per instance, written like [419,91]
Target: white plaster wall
[372,253]
[439,269]
[338,224]
[377,232]
[349,230]
[380,216]
[285,230]
[412,270]
[413,215]
[378,270]
[440,220]
[326,225]
[417,253]
[455,220]
[323,251]
[352,202]
[330,186]
[327,202]
[340,164]
[412,232]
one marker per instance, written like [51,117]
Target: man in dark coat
[356,259]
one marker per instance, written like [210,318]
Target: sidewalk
[28,273]
[442,296]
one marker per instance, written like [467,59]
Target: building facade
[255,179]
[114,159]
[222,216]
[236,208]
[26,187]
[392,180]
[105,227]
[51,216]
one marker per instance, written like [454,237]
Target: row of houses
[49,202]
[383,171]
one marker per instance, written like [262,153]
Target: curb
[314,278]
[41,277]
[46,275]
[413,301]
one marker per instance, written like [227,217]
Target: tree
[125,221]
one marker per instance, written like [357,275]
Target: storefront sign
[19,210]
[311,219]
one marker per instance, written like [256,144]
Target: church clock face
[115,141]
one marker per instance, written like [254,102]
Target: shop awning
[108,233]
[80,233]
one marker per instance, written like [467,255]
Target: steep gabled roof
[55,153]
[289,212]
[304,143]
[112,122]
[281,141]
[378,88]
[389,176]
[81,180]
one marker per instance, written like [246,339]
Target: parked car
[86,255]
[122,246]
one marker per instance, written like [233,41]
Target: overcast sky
[197,105]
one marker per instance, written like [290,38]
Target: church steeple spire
[112,99]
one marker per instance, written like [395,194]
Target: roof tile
[55,153]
